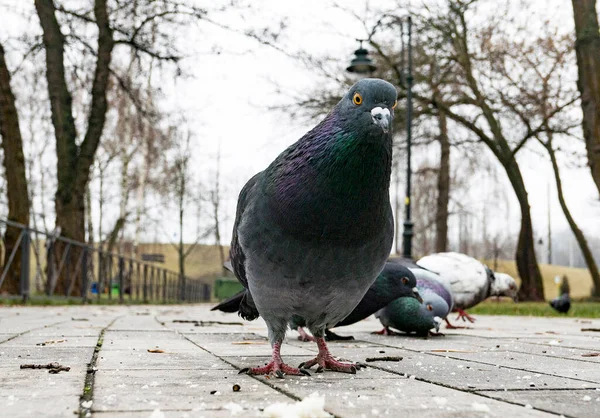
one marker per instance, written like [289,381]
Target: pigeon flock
[313,234]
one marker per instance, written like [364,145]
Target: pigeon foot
[275,367]
[278,369]
[462,314]
[304,336]
[326,361]
[450,326]
[385,331]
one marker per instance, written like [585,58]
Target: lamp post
[362,64]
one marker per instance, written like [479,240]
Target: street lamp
[362,64]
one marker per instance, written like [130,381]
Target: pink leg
[450,326]
[462,314]
[276,366]
[326,361]
[304,336]
[385,331]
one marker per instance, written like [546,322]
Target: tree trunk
[16,181]
[73,160]
[532,287]
[181,249]
[443,186]
[583,245]
[587,47]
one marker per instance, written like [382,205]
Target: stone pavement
[182,361]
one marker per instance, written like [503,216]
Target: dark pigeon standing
[395,281]
[562,303]
[314,229]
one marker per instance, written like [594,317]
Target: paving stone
[13,357]
[486,370]
[535,364]
[36,393]
[575,403]
[137,390]
[242,344]
[57,340]
[143,340]
[171,359]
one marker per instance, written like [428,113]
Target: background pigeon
[314,229]
[562,303]
[470,280]
[411,316]
[427,279]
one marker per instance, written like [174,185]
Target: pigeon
[427,279]
[562,303]
[314,229]
[470,280]
[411,316]
[395,281]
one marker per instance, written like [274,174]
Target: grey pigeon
[562,303]
[470,280]
[395,281]
[314,229]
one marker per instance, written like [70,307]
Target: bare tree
[490,91]
[16,180]
[581,240]
[587,47]
[215,200]
[180,181]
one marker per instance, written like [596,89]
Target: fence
[64,267]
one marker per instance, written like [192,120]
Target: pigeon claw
[462,314]
[331,364]
[278,369]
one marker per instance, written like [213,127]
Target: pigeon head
[503,285]
[434,303]
[407,314]
[399,282]
[368,107]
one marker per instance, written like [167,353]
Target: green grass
[578,309]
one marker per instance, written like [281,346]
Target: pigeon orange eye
[357,99]
[405,280]
[429,308]
[395,104]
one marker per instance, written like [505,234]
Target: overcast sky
[226,101]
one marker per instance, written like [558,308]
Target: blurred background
[129,127]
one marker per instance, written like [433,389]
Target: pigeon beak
[438,322]
[381,117]
[417,295]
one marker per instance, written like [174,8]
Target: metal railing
[64,267]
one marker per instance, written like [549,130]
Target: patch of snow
[233,407]
[157,413]
[440,401]
[481,407]
[310,407]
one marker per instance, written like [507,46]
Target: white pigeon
[470,280]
